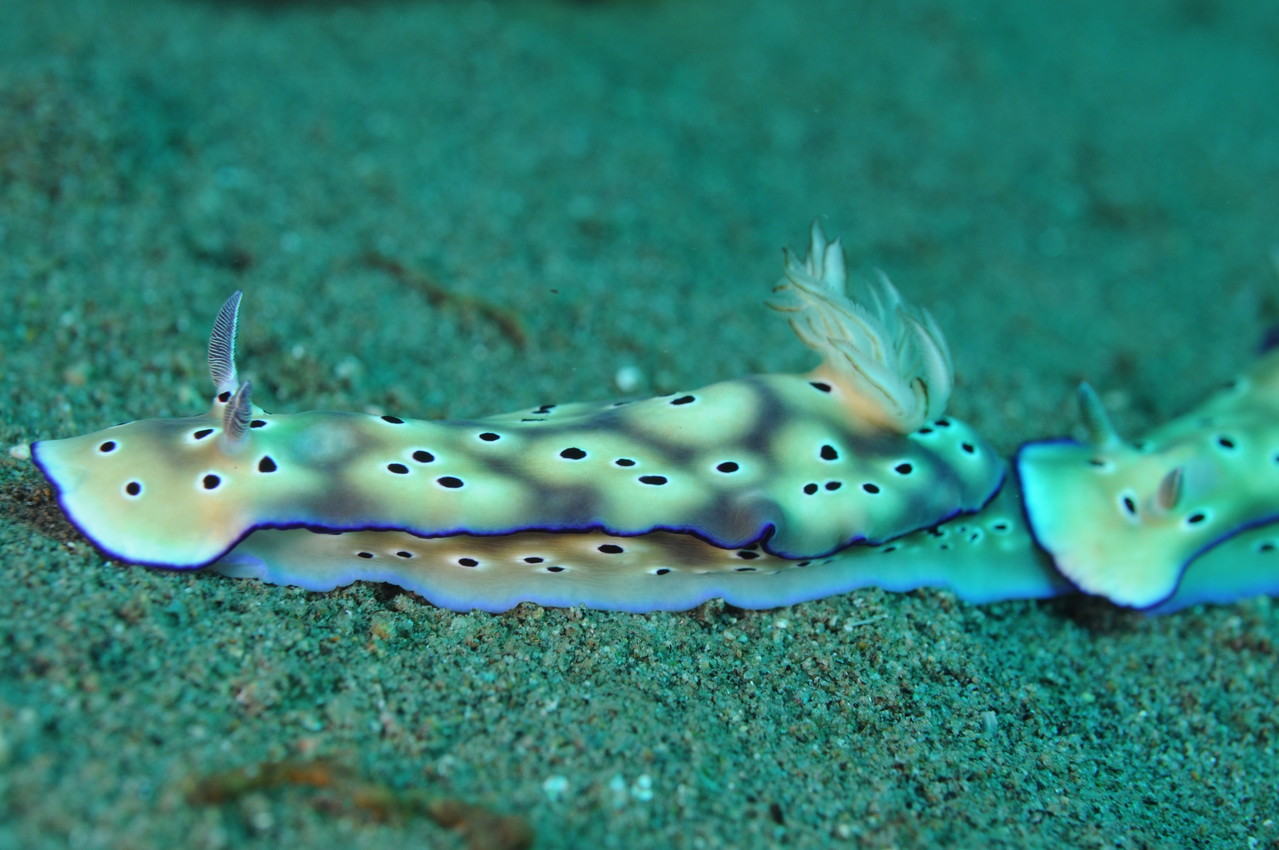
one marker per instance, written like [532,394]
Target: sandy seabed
[454,208]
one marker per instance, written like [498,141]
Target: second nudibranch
[1124,520]
[768,467]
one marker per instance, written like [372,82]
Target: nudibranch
[1125,520]
[765,490]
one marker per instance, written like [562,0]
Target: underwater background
[450,208]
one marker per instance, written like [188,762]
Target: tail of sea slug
[887,355]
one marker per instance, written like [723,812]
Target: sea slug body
[1125,520]
[765,491]
[763,474]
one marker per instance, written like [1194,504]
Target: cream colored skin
[1124,520]
[779,469]
[562,471]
